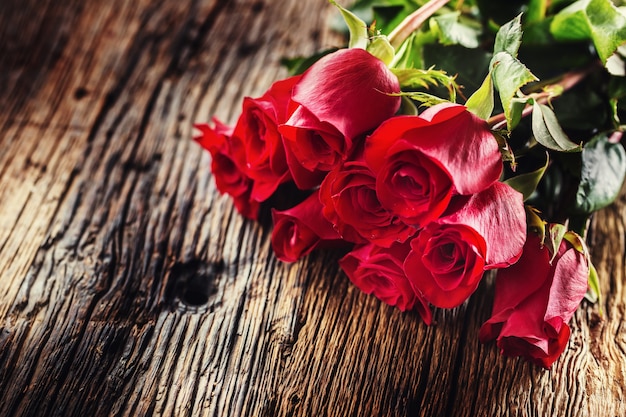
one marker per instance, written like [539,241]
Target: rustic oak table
[130,287]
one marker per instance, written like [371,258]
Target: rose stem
[566,81]
[413,21]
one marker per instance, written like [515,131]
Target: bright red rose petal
[226,166]
[446,263]
[339,98]
[348,194]
[378,271]
[534,300]
[260,140]
[498,215]
[300,229]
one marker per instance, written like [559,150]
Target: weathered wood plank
[130,287]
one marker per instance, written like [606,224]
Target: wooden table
[129,287]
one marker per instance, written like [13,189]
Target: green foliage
[451,31]
[602,174]
[481,103]
[548,131]
[509,74]
[412,78]
[547,75]
[527,183]
[596,20]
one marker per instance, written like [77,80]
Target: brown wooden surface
[129,287]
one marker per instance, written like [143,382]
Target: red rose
[257,133]
[449,256]
[421,161]
[341,96]
[226,161]
[348,195]
[534,300]
[376,270]
[300,229]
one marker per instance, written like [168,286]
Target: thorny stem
[413,21]
[566,81]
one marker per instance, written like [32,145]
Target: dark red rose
[534,300]
[340,97]
[449,256]
[226,161]
[257,133]
[376,270]
[348,194]
[421,161]
[300,229]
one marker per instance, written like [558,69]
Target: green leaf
[357,27]
[602,174]
[509,75]
[548,132]
[596,20]
[509,37]
[481,103]
[536,10]
[451,32]
[527,183]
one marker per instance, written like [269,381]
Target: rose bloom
[449,256]
[340,97]
[226,166]
[300,229]
[422,161]
[534,300]
[256,132]
[348,194]
[378,271]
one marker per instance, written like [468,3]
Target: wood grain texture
[129,287]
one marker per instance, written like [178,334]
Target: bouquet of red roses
[428,193]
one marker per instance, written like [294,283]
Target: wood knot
[195,282]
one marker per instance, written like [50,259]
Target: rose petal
[498,215]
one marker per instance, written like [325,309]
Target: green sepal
[594,294]
[380,47]
[535,223]
[527,183]
[505,150]
[410,78]
[555,235]
[548,132]
[356,26]
[425,99]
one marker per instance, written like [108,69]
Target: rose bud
[449,256]
[300,229]
[226,166]
[422,161]
[257,133]
[534,300]
[348,194]
[378,271]
[342,96]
